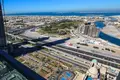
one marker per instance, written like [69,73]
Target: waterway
[99,24]
[109,38]
[106,37]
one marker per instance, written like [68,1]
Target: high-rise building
[93,72]
[2,31]
[10,68]
[87,29]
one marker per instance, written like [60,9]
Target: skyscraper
[2,31]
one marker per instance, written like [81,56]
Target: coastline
[63,14]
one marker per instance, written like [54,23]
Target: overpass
[103,58]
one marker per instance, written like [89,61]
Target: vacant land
[60,28]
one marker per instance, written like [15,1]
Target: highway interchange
[103,58]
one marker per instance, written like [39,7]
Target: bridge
[103,58]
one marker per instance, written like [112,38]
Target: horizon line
[65,12]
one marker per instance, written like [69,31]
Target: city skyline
[23,6]
[60,40]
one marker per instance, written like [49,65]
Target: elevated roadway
[103,58]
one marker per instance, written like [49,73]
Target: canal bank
[105,36]
[109,38]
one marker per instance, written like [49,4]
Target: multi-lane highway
[64,59]
[115,59]
[103,58]
[88,57]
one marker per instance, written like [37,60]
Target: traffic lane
[88,53]
[90,58]
[68,60]
[102,57]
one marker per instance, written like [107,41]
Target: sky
[23,6]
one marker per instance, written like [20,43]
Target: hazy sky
[16,6]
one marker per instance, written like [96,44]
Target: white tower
[93,72]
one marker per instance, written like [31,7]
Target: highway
[87,55]
[64,59]
[18,31]
[105,56]
[21,30]
[100,55]
[102,58]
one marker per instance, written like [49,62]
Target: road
[103,58]
[107,60]
[95,54]
[88,57]
[64,59]
[21,30]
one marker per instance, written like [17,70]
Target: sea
[65,14]
[101,35]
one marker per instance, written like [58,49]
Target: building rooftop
[13,75]
[67,75]
[7,72]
